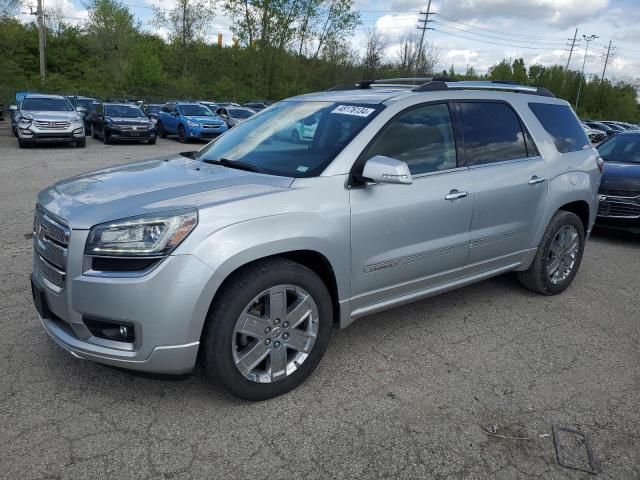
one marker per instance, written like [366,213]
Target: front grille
[614,192]
[50,242]
[211,126]
[624,210]
[56,125]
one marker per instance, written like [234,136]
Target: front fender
[236,245]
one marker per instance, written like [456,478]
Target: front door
[408,238]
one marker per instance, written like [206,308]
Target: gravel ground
[408,393]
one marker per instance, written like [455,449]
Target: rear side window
[560,122]
[492,133]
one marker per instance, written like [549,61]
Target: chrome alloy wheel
[562,254]
[275,333]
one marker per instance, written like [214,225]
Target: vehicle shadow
[617,236]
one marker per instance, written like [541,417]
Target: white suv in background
[48,119]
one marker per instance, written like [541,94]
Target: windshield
[621,148]
[47,104]
[195,111]
[86,104]
[240,113]
[293,139]
[126,111]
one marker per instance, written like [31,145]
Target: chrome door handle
[455,194]
[536,179]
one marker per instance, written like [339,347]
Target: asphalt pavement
[464,385]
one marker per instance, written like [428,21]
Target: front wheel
[268,329]
[182,135]
[106,138]
[558,256]
[152,141]
[82,143]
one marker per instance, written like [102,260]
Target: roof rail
[397,82]
[505,86]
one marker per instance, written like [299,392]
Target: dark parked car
[257,106]
[602,126]
[620,187]
[614,125]
[84,105]
[122,121]
[152,110]
[235,115]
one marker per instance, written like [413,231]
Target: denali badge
[602,198]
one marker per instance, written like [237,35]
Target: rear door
[509,178]
[408,238]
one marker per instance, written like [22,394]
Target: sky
[477,33]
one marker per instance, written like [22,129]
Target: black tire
[88,130]
[94,132]
[182,135]
[82,143]
[15,132]
[23,144]
[236,294]
[152,141]
[161,131]
[106,138]
[536,277]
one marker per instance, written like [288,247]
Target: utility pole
[39,13]
[423,26]
[573,44]
[588,39]
[606,60]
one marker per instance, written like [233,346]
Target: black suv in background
[84,106]
[121,121]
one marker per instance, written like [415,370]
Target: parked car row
[600,130]
[38,118]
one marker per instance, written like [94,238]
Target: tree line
[281,48]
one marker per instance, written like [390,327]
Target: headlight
[193,124]
[147,235]
[25,121]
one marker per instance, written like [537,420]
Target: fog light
[123,331]
[26,132]
[77,131]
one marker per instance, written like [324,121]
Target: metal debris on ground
[580,443]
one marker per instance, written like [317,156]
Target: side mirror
[13,107]
[381,169]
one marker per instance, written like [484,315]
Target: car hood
[621,176]
[46,116]
[152,186]
[130,120]
[204,119]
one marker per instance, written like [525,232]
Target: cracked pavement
[406,393]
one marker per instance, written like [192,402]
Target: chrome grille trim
[56,125]
[50,241]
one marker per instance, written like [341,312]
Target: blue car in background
[189,121]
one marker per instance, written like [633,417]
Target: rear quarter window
[561,123]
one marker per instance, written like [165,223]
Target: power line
[484,35]
[488,42]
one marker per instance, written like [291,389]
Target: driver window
[422,137]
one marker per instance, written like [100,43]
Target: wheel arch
[579,208]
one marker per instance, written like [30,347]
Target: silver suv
[48,119]
[249,251]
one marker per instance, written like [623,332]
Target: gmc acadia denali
[248,252]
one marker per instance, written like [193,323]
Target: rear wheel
[268,329]
[558,256]
[182,135]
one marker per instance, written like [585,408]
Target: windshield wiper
[236,164]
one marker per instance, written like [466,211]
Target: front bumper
[130,134]
[619,212]
[206,133]
[33,134]
[165,307]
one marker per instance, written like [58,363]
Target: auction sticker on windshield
[353,110]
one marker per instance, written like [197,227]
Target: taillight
[600,163]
